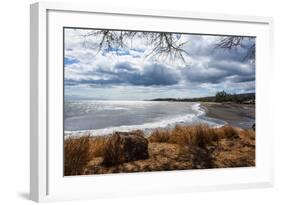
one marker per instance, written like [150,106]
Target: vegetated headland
[245,98]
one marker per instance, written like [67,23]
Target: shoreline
[237,115]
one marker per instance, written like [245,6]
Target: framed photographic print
[127,102]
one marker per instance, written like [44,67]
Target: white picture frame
[47,182]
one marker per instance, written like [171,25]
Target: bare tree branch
[232,42]
[163,44]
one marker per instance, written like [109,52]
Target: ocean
[104,117]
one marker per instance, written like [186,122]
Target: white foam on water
[198,117]
[196,107]
[128,128]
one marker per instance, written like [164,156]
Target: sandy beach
[237,115]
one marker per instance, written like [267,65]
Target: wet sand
[238,115]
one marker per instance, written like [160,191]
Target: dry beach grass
[184,147]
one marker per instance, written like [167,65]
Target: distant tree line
[242,98]
[222,96]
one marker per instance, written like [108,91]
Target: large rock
[125,147]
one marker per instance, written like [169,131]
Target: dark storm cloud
[218,72]
[242,79]
[154,74]
[124,73]
[232,67]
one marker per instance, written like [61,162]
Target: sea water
[104,117]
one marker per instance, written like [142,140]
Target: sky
[130,72]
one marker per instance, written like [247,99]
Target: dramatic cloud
[127,73]
[215,72]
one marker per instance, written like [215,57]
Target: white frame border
[39,77]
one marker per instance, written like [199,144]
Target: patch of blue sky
[69,61]
[137,50]
[118,51]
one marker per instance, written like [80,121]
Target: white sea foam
[198,109]
[126,128]
[197,117]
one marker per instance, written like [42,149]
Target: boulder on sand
[125,147]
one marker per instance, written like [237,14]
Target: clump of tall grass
[203,136]
[98,146]
[192,135]
[112,151]
[227,131]
[160,135]
[77,154]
